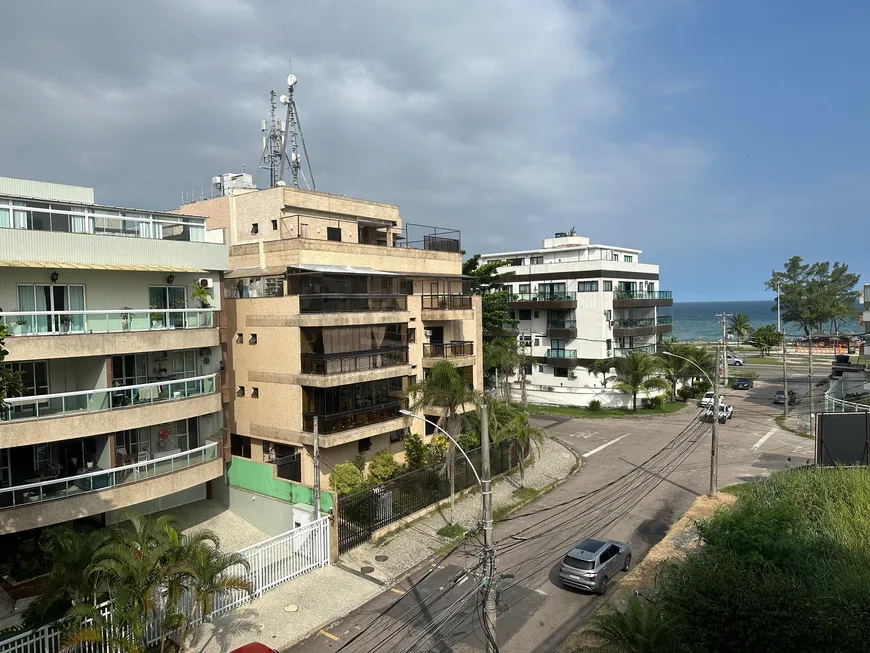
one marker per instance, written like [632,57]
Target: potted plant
[202,295]
[125,318]
[65,321]
[20,326]
[157,319]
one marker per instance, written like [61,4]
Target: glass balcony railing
[92,401]
[561,324]
[446,302]
[61,488]
[354,361]
[561,353]
[642,294]
[353,419]
[543,297]
[448,349]
[117,321]
[336,303]
[622,352]
[634,323]
[664,319]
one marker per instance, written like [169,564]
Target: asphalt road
[634,499]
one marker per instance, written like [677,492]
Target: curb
[359,574]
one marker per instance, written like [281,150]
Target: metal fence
[362,513]
[271,562]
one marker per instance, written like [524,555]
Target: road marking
[603,446]
[330,635]
[764,438]
[397,590]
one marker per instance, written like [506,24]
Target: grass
[525,494]
[737,489]
[452,531]
[576,411]
[780,422]
[503,511]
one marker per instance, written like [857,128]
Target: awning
[269,271]
[94,266]
[341,269]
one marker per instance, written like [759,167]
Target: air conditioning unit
[206,282]
[571,375]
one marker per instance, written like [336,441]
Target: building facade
[577,302]
[113,319]
[334,308]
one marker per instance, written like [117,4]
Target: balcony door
[55,299]
[161,298]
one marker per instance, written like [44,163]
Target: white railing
[23,495]
[836,405]
[271,562]
[114,321]
[93,401]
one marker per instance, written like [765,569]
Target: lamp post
[714,444]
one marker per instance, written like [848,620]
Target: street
[639,476]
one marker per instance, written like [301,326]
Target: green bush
[468,441]
[416,451]
[346,478]
[383,467]
[686,393]
[360,462]
[654,403]
[594,406]
[702,386]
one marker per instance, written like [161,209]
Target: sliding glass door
[52,298]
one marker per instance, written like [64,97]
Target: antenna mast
[291,138]
[273,142]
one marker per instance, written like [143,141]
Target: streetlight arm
[408,413]
[691,362]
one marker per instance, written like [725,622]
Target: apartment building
[334,307]
[578,302]
[113,317]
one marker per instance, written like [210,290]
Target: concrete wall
[272,516]
[260,478]
[578,396]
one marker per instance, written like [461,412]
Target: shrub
[383,467]
[360,462]
[703,386]
[416,451]
[686,393]
[655,402]
[438,447]
[594,406]
[346,478]
[468,441]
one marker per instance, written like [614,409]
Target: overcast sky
[719,137]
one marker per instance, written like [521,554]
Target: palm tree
[740,325]
[503,356]
[637,372]
[522,434]
[642,627]
[444,388]
[678,368]
[601,367]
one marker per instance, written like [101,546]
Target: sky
[719,137]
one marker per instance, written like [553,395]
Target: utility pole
[724,317]
[784,378]
[714,444]
[489,626]
[316,469]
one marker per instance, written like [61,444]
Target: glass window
[5,218]
[577,563]
[587,286]
[525,288]
[536,260]
[560,372]
[628,258]
[525,314]
[333,233]
[608,286]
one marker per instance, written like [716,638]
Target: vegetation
[594,406]
[522,435]
[683,363]
[740,325]
[485,281]
[346,478]
[764,339]
[601,367]
[794,541]
[502,355]
[10,382]
[638,372]
[383,467]
[451,531]
[202,295]
[416,452]
[603,413]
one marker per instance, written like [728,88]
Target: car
[708,399]
[254,647]
[743,383]
[726,412]
[592,563]
[779,397]
[736,360]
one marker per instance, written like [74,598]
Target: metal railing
[352,303]
[561,353]
[445,302]
[448,349]
[642,294]
[93,401]
[634,323]
[664,319]
[354,361]
[561,324]
[352,419]
[61,488]
[622,352]
[62,322]
[543,296]
[835,404]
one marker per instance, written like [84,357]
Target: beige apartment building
[334,306]
[119,360]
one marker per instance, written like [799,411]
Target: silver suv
[591,564]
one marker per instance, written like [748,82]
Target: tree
[502,355]
[383,467]
[523,435]
[444,388]
[601,367]
[416,452]
[10,382]
[484,277]
[637,372]
[642,627]
[346,478]
[740,325]
[765,338]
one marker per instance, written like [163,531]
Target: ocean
[693,320]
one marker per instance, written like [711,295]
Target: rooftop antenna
[291,138]
[273,143]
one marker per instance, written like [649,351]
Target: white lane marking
[603,446]
[764,438]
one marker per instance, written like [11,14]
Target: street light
[408,413]
[714,444]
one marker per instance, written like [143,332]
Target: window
[241,391]
[240,338]
[412,335]
[161,298]
[364,445]
[240,445]
[561,372]
[515,262]
[540,368]
[608,315]
[608,286]
[628,258]
[536,260]
[608,344]
[536,313]
[255,228]
[255,393]
[537,342]
[274,225]
[333,233]
[512,315]
[525,314]
[587,286]
[527,369]
[398,436]
[253,339]
[577,563]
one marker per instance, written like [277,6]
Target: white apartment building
[119,354]
[578,302]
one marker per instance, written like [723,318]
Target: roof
[268,271]
[94,266]
[339,269]
[589,547]
[253,647]
[568,248]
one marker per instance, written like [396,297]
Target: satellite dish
[284,99]
[291,80]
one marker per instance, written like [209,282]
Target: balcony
[32,419]
[454,349]
[349,362]
[634,327]
[54,501]
[623,352]
[446,302]
[353,419]
[561,357]
[561,328]
[355,303]
[664,324]
[642,299]
[547,300]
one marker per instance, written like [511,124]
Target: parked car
[779,397]
[591,564]
[734,359]
[726,412]
[743,383]
[254,647]
[708,399]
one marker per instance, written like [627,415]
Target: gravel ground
[319,597]
[407,547]
[234,532]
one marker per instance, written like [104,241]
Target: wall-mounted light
[54,276]
[170,279]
